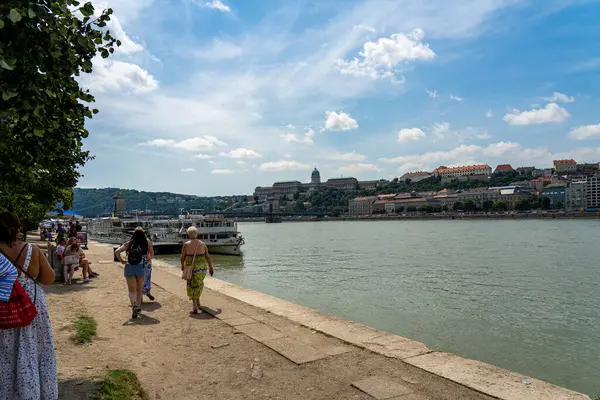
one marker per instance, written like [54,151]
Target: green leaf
[39,132]
[1,24]
[5,63]
[7,94]
[87,10]
[31,14]
[118,42]
[14,15]
[95,111]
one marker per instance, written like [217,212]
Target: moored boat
[218,233]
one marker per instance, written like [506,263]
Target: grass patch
[85,329]
[119,384]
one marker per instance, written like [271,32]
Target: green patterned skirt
[196,284]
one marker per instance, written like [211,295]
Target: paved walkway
[248,345]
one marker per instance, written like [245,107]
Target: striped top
[8,276]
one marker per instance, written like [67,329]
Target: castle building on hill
[288,189]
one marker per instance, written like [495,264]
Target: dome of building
[315,177]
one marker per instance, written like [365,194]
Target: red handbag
[19,310]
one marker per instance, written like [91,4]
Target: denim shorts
[134,270]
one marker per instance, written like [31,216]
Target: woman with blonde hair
[194,254]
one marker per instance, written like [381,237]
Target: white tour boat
[218,233]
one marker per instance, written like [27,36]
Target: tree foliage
[45,45]
[92,202]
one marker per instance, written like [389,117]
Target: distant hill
[91,202]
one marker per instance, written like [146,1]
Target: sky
[216,97]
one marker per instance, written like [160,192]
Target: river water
[523,295]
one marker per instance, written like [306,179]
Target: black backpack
[135,254]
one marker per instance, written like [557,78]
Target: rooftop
[418,173]
[340,179]
[372,198]
[565,162]
[504,167]
[464,168]
[287,183]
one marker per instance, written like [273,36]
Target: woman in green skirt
[195,251]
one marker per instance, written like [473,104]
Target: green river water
[523,295]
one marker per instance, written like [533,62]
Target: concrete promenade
[310,355]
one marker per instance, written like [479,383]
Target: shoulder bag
[19,310]
[188,270]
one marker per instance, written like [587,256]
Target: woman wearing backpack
[137,250]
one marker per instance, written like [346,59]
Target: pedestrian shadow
[212,311]
[201,315]
[75,389]
[61,288]
[142,320]
[151,306]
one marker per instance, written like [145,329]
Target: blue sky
[215,97]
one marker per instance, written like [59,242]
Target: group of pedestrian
[27,355]
[138,267]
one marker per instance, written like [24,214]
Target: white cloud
[221,172]
[585,132]
[410,134]
[441,129]
[218,5]
[362,27]
[188,170]
[111,76]
[382,58]
[290,126]
[489,114]
[484,135]
[242,153]
[551,113]
[501,152]
[432,93]
[203,156]
[219,50]
[283,165]
[353,156]
[293,138]
[358,168]
[128,46]
[192,144]
[456,98]
[339,122]
[560,98]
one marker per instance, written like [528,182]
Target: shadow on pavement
[61,288]
[151,306]
[201,315]
[142,320]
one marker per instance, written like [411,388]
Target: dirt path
[171,351]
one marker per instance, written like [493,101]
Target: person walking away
[147,286]
[137,249]
[195,254]
[27,357]
[72,229]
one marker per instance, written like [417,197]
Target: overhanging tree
[44,46]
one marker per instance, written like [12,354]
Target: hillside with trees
[94,202]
